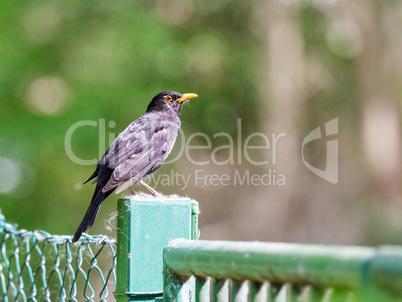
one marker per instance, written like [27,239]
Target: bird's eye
[168,98]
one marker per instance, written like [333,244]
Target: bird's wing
[135,154]
[133,140]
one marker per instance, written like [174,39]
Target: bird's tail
[92,211]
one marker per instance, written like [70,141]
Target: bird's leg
[152,190]
[132,191]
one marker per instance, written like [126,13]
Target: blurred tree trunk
[284,98]
[380,123]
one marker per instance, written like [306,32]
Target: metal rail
[38,266]
[238,271]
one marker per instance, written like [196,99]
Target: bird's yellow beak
[186,97]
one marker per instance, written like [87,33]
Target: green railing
[254,271]
[36,266]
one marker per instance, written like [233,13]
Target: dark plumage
[138,151]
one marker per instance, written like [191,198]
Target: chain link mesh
[37,266]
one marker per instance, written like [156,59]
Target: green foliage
[107,60]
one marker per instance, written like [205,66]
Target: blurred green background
[284,66]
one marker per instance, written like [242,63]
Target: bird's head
[169,100]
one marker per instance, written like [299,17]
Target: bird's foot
[150,189]
[132,191]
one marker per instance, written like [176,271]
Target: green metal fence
[36,266]
[254,271]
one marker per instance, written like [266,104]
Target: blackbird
[138,151]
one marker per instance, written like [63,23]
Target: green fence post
[145,225]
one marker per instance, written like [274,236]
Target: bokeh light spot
[10,175]
[205,54]
[48,95]
[325,4]
[41,23]
[345,39]
[175,12]
[100,54]
[77,186]
[208,6]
